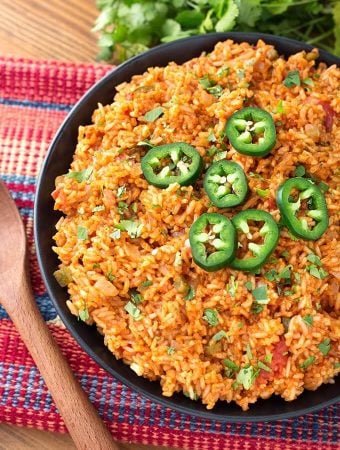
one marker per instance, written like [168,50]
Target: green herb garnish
[263,366]
[81,176]
[308,319]
[232,286]
[83,314]
[264,193]
[247,376]
[190,295]
[260,295]
[134,312]
[218,336]
[307,362]
[325,346]
[154,114]
[82,233]
[292,79]
[211,316]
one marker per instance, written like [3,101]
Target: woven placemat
[35,96]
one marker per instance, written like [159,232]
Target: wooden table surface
[55,29]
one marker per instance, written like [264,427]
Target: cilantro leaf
[299,171]
[83,314]
[232,286]
[325,346]
[260,295]
[308,319]
[247,376]
[170,350]
[292,79]
[218,336]
[190,294]
[82,233]
[228,19]
[132,309]
[154,114]
[211,316]
[134,229]
[307,362]
[83,175]
[262,192]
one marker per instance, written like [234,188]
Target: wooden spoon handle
[85,426]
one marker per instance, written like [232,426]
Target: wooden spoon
[82,421]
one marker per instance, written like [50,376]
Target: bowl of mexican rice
[187,228]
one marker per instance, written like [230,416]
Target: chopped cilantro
[109,275]
[297,277]
[122,206]
[98,208]
[232,286]
[216,91]
[263,366]
[220,155]
[262,192]
[63,276]
[190,295]
[206,82]
[316,272]
[285,273]
[257,176]
[153,114]
[235,385]
[299,171]
[115,234]
[325,346]
[337,365]
[145,284]
[314,259]
[83,314]
[96,266]
[308,319]
[136,297]
[134,312]
[121,190]
[248,285]
[134,229]
[218,336]
[292,79]
[224,71]
[307,362]
[193,396]
[308,82]
[256,308]
[170,350]
[210,86]
[247,376]
[231,367]
[211,137]
[145,143]
[211,316]
[271,275]
[260,294]
[83,175]
[212,151]
[285,254]
[280,108]
[268,358]
[82,233]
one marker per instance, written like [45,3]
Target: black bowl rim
[164,401]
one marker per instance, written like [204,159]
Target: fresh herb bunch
[128,27]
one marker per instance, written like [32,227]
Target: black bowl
[57,162]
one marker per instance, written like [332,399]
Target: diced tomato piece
[278,363]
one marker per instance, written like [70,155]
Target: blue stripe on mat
[18,179]
[35,104]
[44,304]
